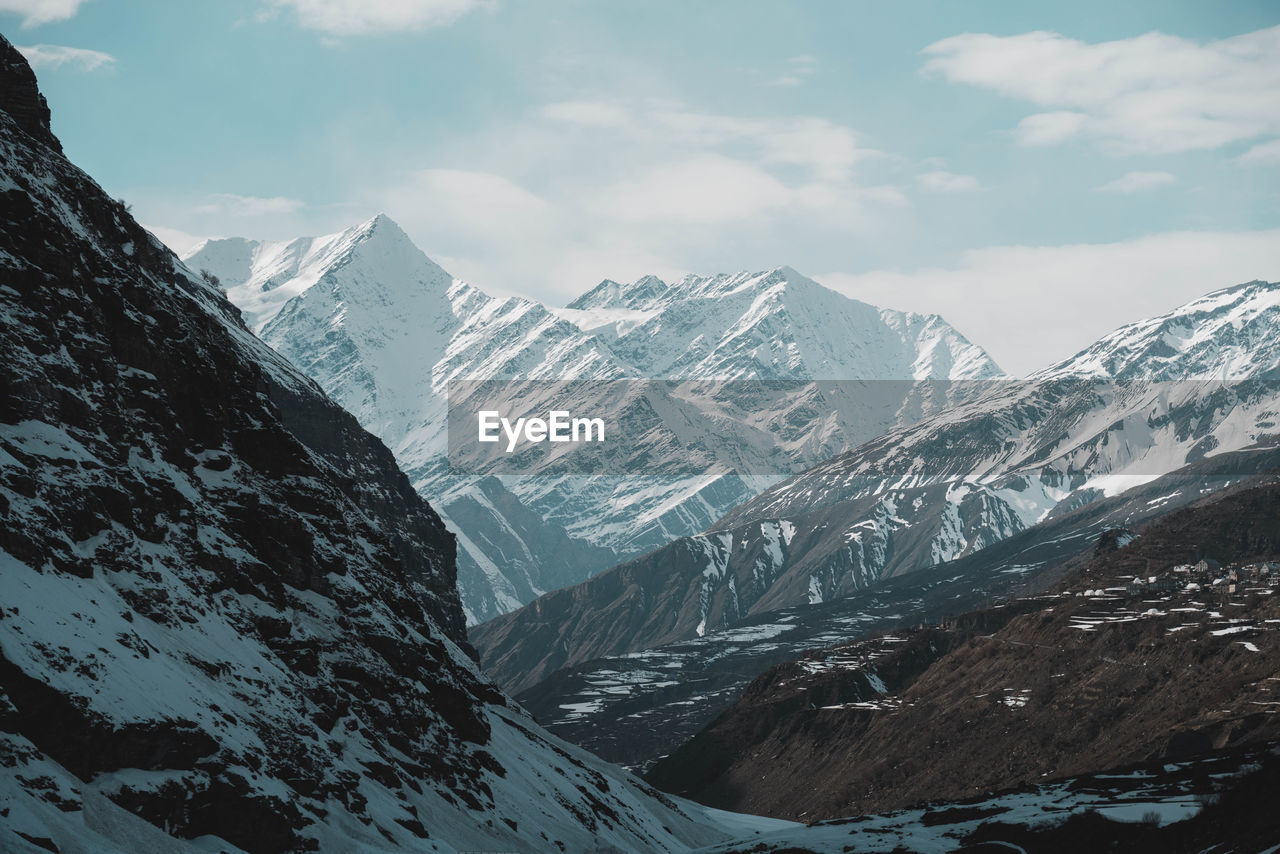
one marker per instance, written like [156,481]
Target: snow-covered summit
[640,294]
[261,276]
[775,324]
[1228,334]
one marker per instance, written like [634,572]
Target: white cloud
[487,200]
[799,70]
[709,188]
[363,17]
[829,150]
[247,206]
[594,187]
[176,239]
[593,113]
[1049,128]
[1138,182]
[940,181]
[1261,154]
[36,12]
[54,56]
[1030,306]
[1152,93]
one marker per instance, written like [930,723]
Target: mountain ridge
[394,361]
[922,494]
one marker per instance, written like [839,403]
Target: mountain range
[887,588]
[1141,402]
[1092,673]
[636,708]
[391,336]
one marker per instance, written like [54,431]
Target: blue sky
[1037,173]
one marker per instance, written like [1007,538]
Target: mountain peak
[20,96]
[262,276]
[382,223]
[610,294]
[791,274]
[1225,334]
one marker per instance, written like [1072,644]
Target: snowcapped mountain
[383,329]
[1141,402]
[227,621]
[781,325]
[386,332]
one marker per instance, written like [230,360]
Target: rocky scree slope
[225,615]
[1085,678]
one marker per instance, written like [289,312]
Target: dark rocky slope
[1075,681]
[224,613]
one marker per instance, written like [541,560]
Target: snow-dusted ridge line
[1142,401]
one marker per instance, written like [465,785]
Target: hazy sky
[1037,173]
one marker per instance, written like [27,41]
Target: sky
[1036,173]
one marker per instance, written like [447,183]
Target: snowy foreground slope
[391,336]
[227,621]
[1156,808]
[1141,402]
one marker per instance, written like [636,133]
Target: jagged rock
[20,96]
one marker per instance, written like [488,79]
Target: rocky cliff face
[225,614]
[22,99]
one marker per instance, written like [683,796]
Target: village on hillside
[1209,576]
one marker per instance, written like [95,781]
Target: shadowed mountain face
[1090,676]
[225,613]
